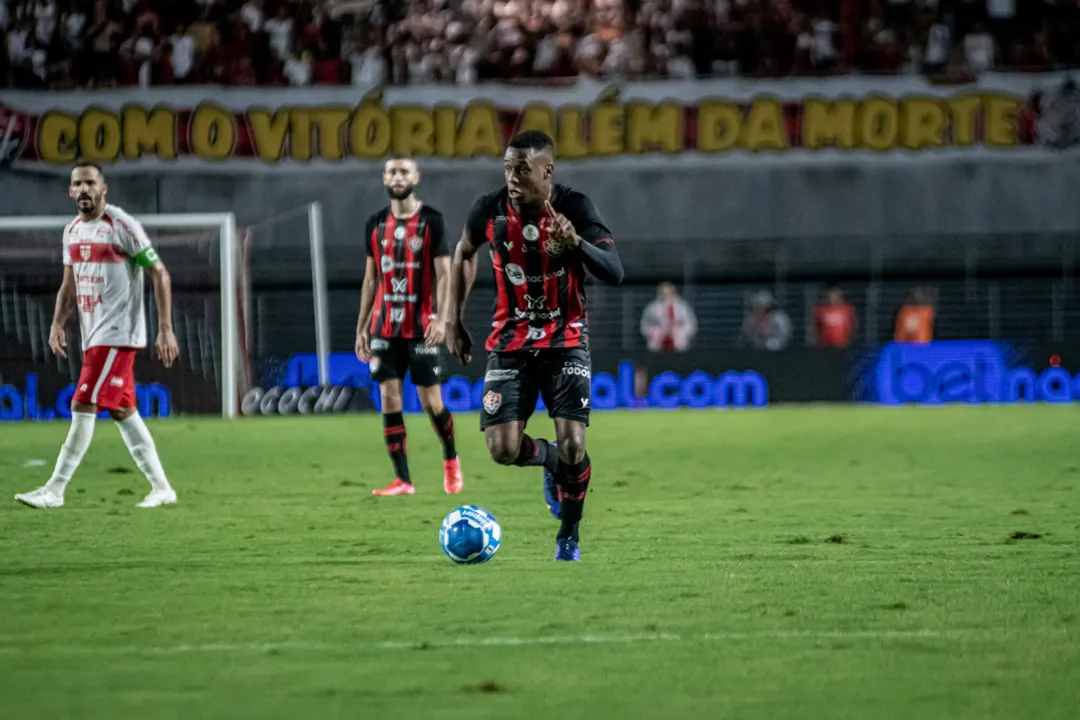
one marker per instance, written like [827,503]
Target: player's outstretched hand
[459,342]
[167,348]
[363,347]
[435,333]
[58,340]
[560,227]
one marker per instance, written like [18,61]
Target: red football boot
[398,487]
[452,476]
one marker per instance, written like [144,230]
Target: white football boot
[157,498]
[41,498]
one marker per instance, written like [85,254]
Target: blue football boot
[567,550]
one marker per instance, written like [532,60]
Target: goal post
[32,248]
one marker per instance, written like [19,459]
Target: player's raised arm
[65,305]
[583,228]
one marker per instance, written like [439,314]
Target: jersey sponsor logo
[87,303]
[520,314]
[397,315]
[530,233]
[93,279]
[515,274]
[492,402]
[547,276]
[399,285]
[399,233]
[553,247]
[387,264]
[536,302]
[497,375]
[536,333]
[509,246]
[379,344]
[576,368]
[400,298]
[415,243]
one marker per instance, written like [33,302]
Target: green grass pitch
[797,563]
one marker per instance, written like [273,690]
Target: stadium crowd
[64,44]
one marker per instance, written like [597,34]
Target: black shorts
[390,358]
[514,379]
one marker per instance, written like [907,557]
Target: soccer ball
[470,535]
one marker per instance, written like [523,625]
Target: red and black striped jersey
[404,250]
[540,283]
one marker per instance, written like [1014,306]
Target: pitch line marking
[589,639]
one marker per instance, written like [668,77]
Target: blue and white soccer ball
[470,535]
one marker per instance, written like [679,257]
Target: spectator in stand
[979,50]
[765,325]
[668,323]
[181,55]
[834,320]
[915,320]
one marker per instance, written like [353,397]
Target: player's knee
[84,408]
[121,414]
[571,449]
[431,403]
[502,451]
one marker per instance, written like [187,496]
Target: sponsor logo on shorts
[379,344]
[84,387]
[374,364]
[531,233]
[117,382]
[497,375]
[515,274]
[425,350]
[574,368]
[492,402]
[584,403]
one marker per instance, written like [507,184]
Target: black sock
[444,426]
[536,453]
[394,432]
[573,482]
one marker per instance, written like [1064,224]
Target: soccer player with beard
[105,253]
[543,237]
[408,269]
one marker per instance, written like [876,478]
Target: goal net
[228,332]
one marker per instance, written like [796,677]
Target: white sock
[141,446]
[71,452]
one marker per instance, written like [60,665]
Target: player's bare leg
[443,422]
[572,478]
[394,434]
[508,444]
[144,452]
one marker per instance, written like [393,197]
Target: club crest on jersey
[530,233]
[387,264]
[399,233]
[553,247]
[492,402]
[415,243]
[515,274]
[85,251]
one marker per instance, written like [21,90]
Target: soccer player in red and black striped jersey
[543,238]
[408,269]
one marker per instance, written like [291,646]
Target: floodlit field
[787,563]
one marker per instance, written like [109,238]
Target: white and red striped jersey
[108,278]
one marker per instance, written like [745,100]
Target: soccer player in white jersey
[105,253]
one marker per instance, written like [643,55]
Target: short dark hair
[533,140]
[89,164]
